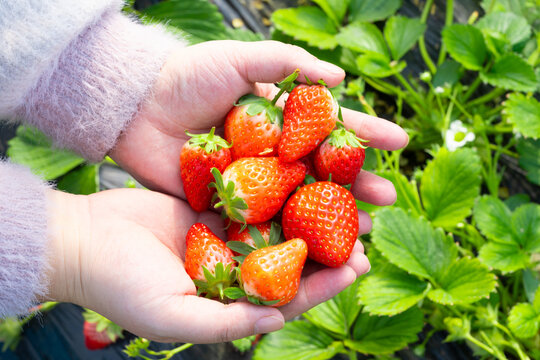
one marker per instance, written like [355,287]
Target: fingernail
[268,324]
[329,68]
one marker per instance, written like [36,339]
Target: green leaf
[244,344]
[412,244]
[513,27]
[466,45]
[377,65]
[407,192]
[402,33]
[515,201]
[298,340]
[465,281]
[524,113]
[389,290]
[335,9]
[506,257]
[450,183]
[379,335]
[447,74]
[529,157]
[524,320]
[83,181]
[242,35]
[33,149]
[337,314]
[200,19]
[307,23]
[372,10]
[363,37]
[526,226]
[493,219]
[526,8]
[531,284]
[511,72]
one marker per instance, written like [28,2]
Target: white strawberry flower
[458,135]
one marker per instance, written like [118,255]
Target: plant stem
[365,104]
[447,22]
[498,353]
[480,344]
[409,88]
[487,97]
[178,349]
[422,43]
[472,88]
[504,151]
[352,354]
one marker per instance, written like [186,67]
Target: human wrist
[68,226]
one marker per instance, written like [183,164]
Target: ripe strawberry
[342,155]
[271,275]
[209,261]
[309,115]
[200,154]
[252,190]
[243,241]
[324,214]
[236,233]
[98,331]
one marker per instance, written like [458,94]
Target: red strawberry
[98,331]
[309,115]
[236,233]
[209,261]
[200,154]
[271,275]
[342,155]
[324,214]
[252,190]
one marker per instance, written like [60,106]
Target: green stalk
[178,349]
[487,97]
[480,344]
[365,104]
[409,88]
[499,354]
[504,151]
[422,43]
[352,354]
[472,88]
[448,21]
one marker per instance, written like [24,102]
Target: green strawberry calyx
[210,142]
[246,249]
[342,137]
[230,202]
[216,283]
[113,330]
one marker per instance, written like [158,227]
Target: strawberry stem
[285,85]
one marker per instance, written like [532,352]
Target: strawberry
[341,155]
[209,261]
[252,190]
[98,331]
[324,214]
[244,241]
[309,115]
[271,275]
[200,154]
[236,233]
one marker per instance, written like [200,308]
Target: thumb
[200,320]
[272,61]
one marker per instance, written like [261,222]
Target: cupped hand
[120,253]
[199,85]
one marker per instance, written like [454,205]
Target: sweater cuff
[23,239]
[86,100]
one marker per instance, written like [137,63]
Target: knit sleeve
[23,239]
[87,93]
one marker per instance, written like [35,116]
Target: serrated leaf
[447,74]
[524,321]
[334,9]
[83,181]
[298,340]
[337,314]
[515,201]
[524,113]
[511,72]
[372,10]
[377,65]
[526,226]
[493,219]
[363,37]
[504,256]
[529,158]
[526,8]
[242,35]
[412,244]
[450,183]
[466,45]
[307,23]
[514,27]
[200,19]
[465,281]
[401,33]
[390,291]
[379,335]
[407,192]
[32,148]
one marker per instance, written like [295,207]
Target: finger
[364,222]
[272,61]
[382,134]
[374,189]
[200,320]
[358,260]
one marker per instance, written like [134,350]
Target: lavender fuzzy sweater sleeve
[77,70]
